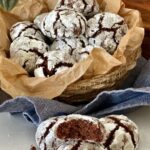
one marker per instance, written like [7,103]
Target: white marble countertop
[17,134]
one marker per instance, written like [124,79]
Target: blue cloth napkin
[134,93]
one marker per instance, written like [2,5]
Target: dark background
[144,7]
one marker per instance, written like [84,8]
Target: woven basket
[87,89]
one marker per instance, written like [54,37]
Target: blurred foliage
[8,4]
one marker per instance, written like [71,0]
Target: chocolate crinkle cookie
[78,132]
[63,22]
[25,28]
[87,7]
[78,48]
[53,62]
[105,30]
[121,133]
[26,50]
[73,132]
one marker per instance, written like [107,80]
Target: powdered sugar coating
[53,62]
[38,20]
[121,132]
[26,50]
[83,146]
[63,22]
[83,53]
[44,129]
[25,28]
[47,137]
[78,48]
[106,30]
[87,7]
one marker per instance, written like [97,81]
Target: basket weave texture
[87,89]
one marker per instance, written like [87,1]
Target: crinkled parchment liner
[101,66]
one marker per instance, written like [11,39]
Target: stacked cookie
[77,132]
[27,45]
[74,29]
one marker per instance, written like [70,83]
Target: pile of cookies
[65,36]
[78,132]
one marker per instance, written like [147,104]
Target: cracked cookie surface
[78,48]
[26,50]
[63,22]
[105,30]
[53,62]
[25,28]
[38,20]
[121,133]
[87,7]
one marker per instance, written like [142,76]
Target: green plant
[8,4]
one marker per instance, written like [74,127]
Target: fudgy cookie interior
[81,130]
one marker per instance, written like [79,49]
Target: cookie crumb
[33,147]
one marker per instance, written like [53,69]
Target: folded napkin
[134,93]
